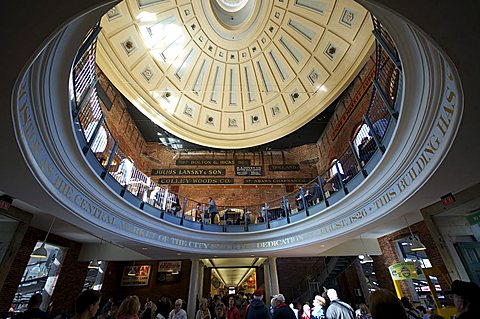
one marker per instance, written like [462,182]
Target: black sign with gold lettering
[248,171]
[276,180]
[284,167]
[204,162]
[240,162]
[189,171]
[195,180]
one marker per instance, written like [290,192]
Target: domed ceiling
[233,74]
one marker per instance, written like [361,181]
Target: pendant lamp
[41,252]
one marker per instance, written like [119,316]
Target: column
[266,275]
[193,288]
[201,271]
[274,287]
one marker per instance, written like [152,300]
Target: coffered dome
[233,74]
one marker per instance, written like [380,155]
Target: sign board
[169,271]
[284,167]
[298,181]
[473,218]
[141,278]
[204,162]
[4,205]
[189,171]
[406,270]
[196,180]
[248,171]
[170,266]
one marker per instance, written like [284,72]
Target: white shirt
[181,314]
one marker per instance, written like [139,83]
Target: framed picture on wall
[136,275]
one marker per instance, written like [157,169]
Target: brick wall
[71,278]
[313,158]
[389,256]
[331,143]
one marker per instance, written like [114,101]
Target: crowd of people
[383,304]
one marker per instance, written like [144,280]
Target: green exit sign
[473,218]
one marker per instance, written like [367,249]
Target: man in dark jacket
[257,308]
[282,310]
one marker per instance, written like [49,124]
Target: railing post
[357,160]
[385,99]
[184,208]
[92,36]
[340,179]
[110,160]
[304,201]
[320,182]
[245,218]
[374,134]
[387,49]
[203,216]
[285,208]
[266,215]
[224,220]
[79,106]
[94,135]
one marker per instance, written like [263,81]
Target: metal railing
[344,174]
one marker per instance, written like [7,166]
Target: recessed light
[144,248]
[179,254]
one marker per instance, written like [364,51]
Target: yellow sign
[406,270]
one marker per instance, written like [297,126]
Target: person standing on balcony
[212,209]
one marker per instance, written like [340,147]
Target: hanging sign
[141,278]
[406,270]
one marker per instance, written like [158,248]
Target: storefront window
[427,284]
[40,276]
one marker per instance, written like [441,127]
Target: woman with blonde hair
[385,305]
[203,312]
[129,308]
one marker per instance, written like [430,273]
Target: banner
[141,278]
[406,270]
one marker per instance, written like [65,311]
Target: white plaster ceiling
[233,83]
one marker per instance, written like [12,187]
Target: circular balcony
[99,193]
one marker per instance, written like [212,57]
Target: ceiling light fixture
[132,272]
[95,264]
[41,252]
[416,243]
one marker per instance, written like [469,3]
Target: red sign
[4,205]
[447,199]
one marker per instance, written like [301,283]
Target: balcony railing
[345,173]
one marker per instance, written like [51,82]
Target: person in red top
[232,312]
